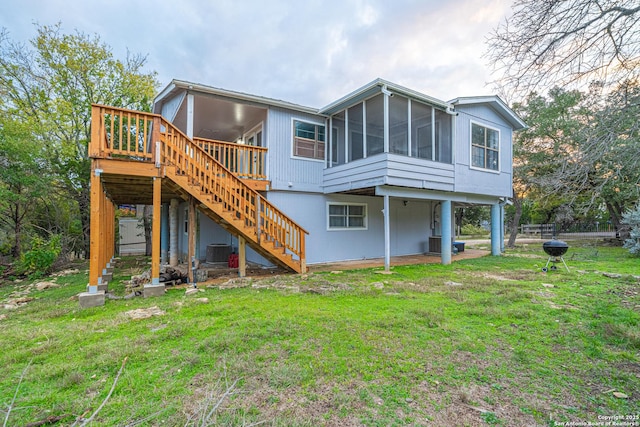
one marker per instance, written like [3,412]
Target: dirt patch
[287,283]
[144,313]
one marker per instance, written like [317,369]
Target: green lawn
[489,341]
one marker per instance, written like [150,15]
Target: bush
[473,230]
[38,261]
[632,219]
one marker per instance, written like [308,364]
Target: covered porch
[442,221]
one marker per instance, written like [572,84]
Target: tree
[50,85]
[549,43]
[23,180]
[631,218]
[539,152]
[580,152]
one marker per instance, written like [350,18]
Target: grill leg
[565,264]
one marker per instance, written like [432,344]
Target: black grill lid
[555,247]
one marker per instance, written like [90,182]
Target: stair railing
[147,137]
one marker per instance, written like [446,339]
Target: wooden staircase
[135,136]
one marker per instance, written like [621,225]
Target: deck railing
[139,136]
[245,160]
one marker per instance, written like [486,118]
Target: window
[398,125]
[375,125]
[347,216]
[356,141]
[485,143]
[308,140]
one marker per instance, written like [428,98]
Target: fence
[577,230]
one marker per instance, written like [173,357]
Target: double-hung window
[308,140]
[485,147]
[343,216]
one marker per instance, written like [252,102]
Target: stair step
[230,219]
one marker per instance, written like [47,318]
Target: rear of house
[377,173]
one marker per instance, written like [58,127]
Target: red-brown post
[95,269]
[155,231]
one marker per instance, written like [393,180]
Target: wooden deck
[141,158]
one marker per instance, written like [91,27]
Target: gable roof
[497,104]
[180,85]
[371,89]
[380,86]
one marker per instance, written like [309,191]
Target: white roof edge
[496,100]
[165,92]
[181,84]
[390,86]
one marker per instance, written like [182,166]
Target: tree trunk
[84,205]
[515,221]
[459,217]
[615,213]
[16,251]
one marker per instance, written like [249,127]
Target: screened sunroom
[381,129]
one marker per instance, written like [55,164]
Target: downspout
[450,110]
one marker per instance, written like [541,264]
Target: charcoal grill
[555,249]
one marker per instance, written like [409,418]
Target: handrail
[122,133]
[244,160]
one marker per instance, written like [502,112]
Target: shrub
[38,261]
[632,219]
[473,230]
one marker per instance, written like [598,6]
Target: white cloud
[310,52]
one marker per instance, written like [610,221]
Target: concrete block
[87,300]
[153,290]
[107,277]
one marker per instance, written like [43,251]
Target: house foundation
[88,299]
[151,290]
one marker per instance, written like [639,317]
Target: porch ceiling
[134,190]
[219,118]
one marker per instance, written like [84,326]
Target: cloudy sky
[309,52]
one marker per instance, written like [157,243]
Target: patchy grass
[489,341]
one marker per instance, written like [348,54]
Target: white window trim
[484,125]
[366,217]
[253,132]
[293,135]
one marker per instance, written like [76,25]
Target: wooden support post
[303,255]
[258,218]
[156,149]
[155,231]
[191,236]
[111,241]
[242,256]
[96,147]
[103,230]
[95,269]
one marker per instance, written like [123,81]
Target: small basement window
[347,216]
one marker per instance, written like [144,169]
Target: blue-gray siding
[410,226]
[389,169]
[285,171]
[469,180]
